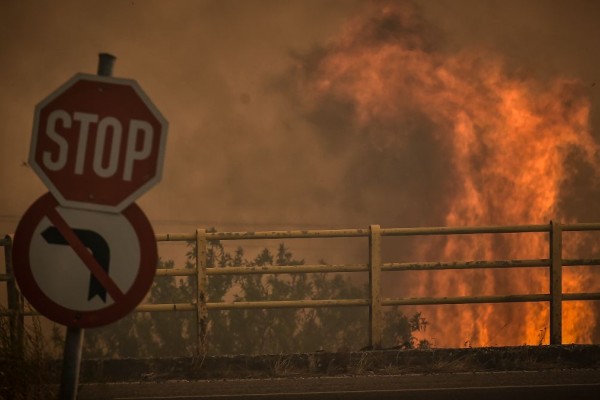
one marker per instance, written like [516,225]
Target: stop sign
[98,143]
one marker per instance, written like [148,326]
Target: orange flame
[508,137]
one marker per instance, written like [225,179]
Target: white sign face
[63,276]
[83,268]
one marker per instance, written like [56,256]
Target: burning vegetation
[511,144]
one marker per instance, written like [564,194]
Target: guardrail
[375,302]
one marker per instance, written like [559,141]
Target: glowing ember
[508,137]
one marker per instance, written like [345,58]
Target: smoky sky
[244,150]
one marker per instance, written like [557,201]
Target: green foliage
[398,330]
[283,330]
[248,331]
[148,334]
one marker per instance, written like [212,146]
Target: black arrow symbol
[95,243]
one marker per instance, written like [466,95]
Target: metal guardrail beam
[341,233]
[352,303]
[176,272]
[443,230]
[581,227]
[288,269]
[334,268]
[423,301]
[166,307]
[287,304]
[200,304]
[580,296]
[569,262]
[439,265]
[293,234]
[175,237]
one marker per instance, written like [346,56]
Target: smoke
[259,141]
[510,145]
[243,148]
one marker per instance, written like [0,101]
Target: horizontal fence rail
[201,305]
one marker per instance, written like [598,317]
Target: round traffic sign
[98,143]
[83,268]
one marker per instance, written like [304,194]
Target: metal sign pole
[71,364]
[69,380]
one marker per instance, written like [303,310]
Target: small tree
[398,329]
[144,334]
[248,331]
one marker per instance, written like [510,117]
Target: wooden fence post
[201,291]
[555,283]
[375,311]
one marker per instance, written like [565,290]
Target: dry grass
[24,363]
[323,363]
[283,366]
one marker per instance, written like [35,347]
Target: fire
[508,137]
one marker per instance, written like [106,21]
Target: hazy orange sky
[248,147]
[242,152]
[246,150]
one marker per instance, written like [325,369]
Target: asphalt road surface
[555,384]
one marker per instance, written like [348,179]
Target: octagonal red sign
[98,143]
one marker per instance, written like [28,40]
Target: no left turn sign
[82,268]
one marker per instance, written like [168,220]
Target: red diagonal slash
[88,260]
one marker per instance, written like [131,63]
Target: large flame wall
[507,138]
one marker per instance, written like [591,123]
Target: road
[555,384]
